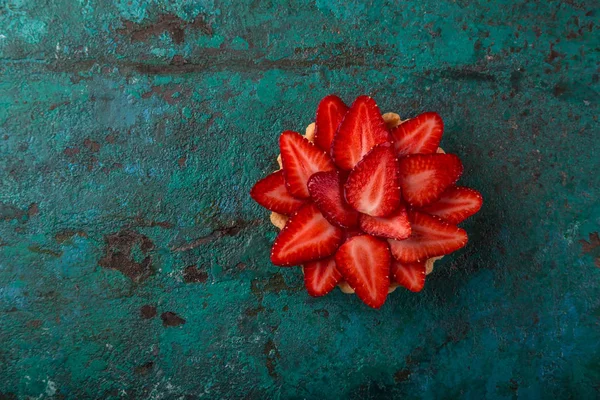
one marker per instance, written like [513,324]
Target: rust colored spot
[71,151]
[144,369]
[34,323]
[147,311]
[170,23]
[56,105]
[553,55]
[594,242]
[272,354]
[192,274]
[40,250]
[592,247]
[170,93]
[92,145]
[67,234]
[216,234]
[253,312]
[33,210]
[181,162]
[402,375]
[178,60]
[171,319]
[119,254]
[110,139]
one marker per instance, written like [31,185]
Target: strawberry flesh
[330,112]
[456,204]
[300,159]
[424,177]
[271,193]
[394,226]
[364,262]
[361,129]
[419,135]
[306,236]
[321,276]
[372,186]
[327,191]
[409,275]
[430,237]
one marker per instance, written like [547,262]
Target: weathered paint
[134,264]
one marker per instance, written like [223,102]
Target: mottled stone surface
[133,263]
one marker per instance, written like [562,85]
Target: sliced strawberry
[424,177]
[364,262]
[372,186]
[306,236]
[430,237]
[456,204]
[421,134]
[361,129]
[327,192]
[330,113]
[270,192]
[409,275]
[394,226]
[300,159]
[320,277]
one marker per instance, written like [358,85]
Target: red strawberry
[361,129]
[424,177]
[372,186]
[421,134]
[320,277]
[394,226]
[327,191]
[456,204]
[409,275]
[364,261]
[306,236]
[270,192]
[430,237]
[330,113]
[301,159]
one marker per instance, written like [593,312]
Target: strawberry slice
[320,277]
[270,192]
[456,204]
[430,237]
[306,236]
[364,262]
[300,159]
[409,275]
[372,186]
[330,112]
[327,191]
[394,226]
[361,129]
[424,177]
[421,134]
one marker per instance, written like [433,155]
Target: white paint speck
[50,388]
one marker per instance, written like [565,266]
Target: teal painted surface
[131,133]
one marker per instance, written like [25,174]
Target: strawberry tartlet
[365,201]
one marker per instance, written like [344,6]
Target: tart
[364,201]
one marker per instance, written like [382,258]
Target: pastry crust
[392,120]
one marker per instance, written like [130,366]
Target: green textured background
[133,263]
